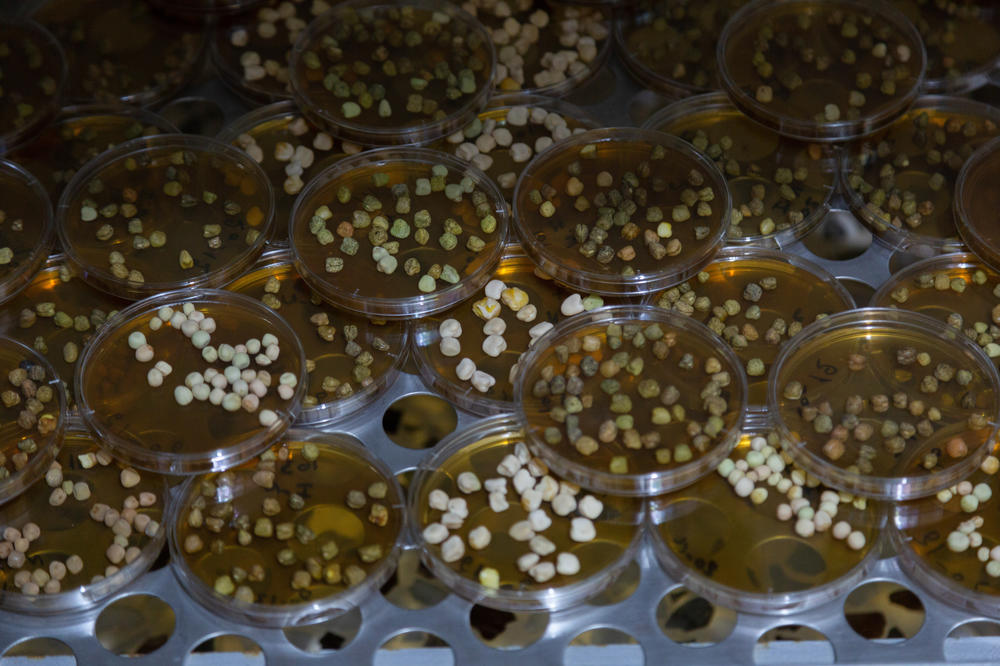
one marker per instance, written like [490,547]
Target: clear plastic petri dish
[747,544]
[310,528]
[25,228]
[781,187]
[90,529]
[290,150]
[957,289]
[900,181]
[885,403]
[544,46]
[449,224]
[78,135]
[946,543]
[165,212]
[822,71]
[502,140]
[669,45]
[350,360]
[56,315]
[121,51]
[369,70]
[137,381]
[757,300]
[511,548]
[672,206]
[977,201]
[33,417]
[522,303]
[35,74]
[250,51]
[631,400]
[962,42]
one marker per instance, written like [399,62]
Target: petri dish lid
[785,89]
[340,466]
[68,527]
[897,421]
[32,427]
[977,201]
[32,94]
[762,153]
[548,234]
[737,552]
[363,289]
[330,358]
[364,123]
[480,449]
[25,228]
[649,450]
[225,182]
[146,425]
[924,230]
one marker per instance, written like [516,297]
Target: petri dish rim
[967,228]
[23,274]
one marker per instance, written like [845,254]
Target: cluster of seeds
[539,46]
[502,141]
[32,398]
[220,513]
[972,499]
[535,488]
[764,469]
[29,83]
[119,212]
[397,244]
[606,222]
[16,226]
[947,29]
[262,47]
[906,175]
[598,386]
[247,387]
[393,66]
[489,309]
[778,57]
[913,416]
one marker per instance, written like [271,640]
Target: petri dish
[502,140]
[290,150]
[976,203]
[350,360]
[957,289]
[165,212]
[747,544]
[824,71]
[449,223]
[417,89]
[25,228]
[91,528]
[962,42]
[34,68]
[56,315]
[301,533]
[33,409]
[669,45]
[884,403]
[137,381]
[78,135]
[900,181]
[945,542]
[540,302]
[655,187]
[631,400]
[757,329]
[533,555]
[122,51]
[781,188]
[544,47]
[251,50]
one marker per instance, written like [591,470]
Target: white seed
[572,305]
[521,531]
[494,345]
[183,395]
[590,507]
[438,499]
[822,521]
[493,289]
[509,465]
[450,328]
[563,504]
[136,339]
[856,540]
[582,530]
[531,499]
[541,545]
[482,381]
[498,502]
[144,354]
[523,481]
[452,550]
[154,377]
[539,520]
[540,329]
[495,326]
[267,418]
[435,533]
[189,327]
[479,537]
[452,521]
[567,564]
[164,367]
[542,572]
[528,313]
[548,487]
[496,485]
[804,528]
[528,560]
[465,369]
[468,482]
[450,346]
[458,506]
